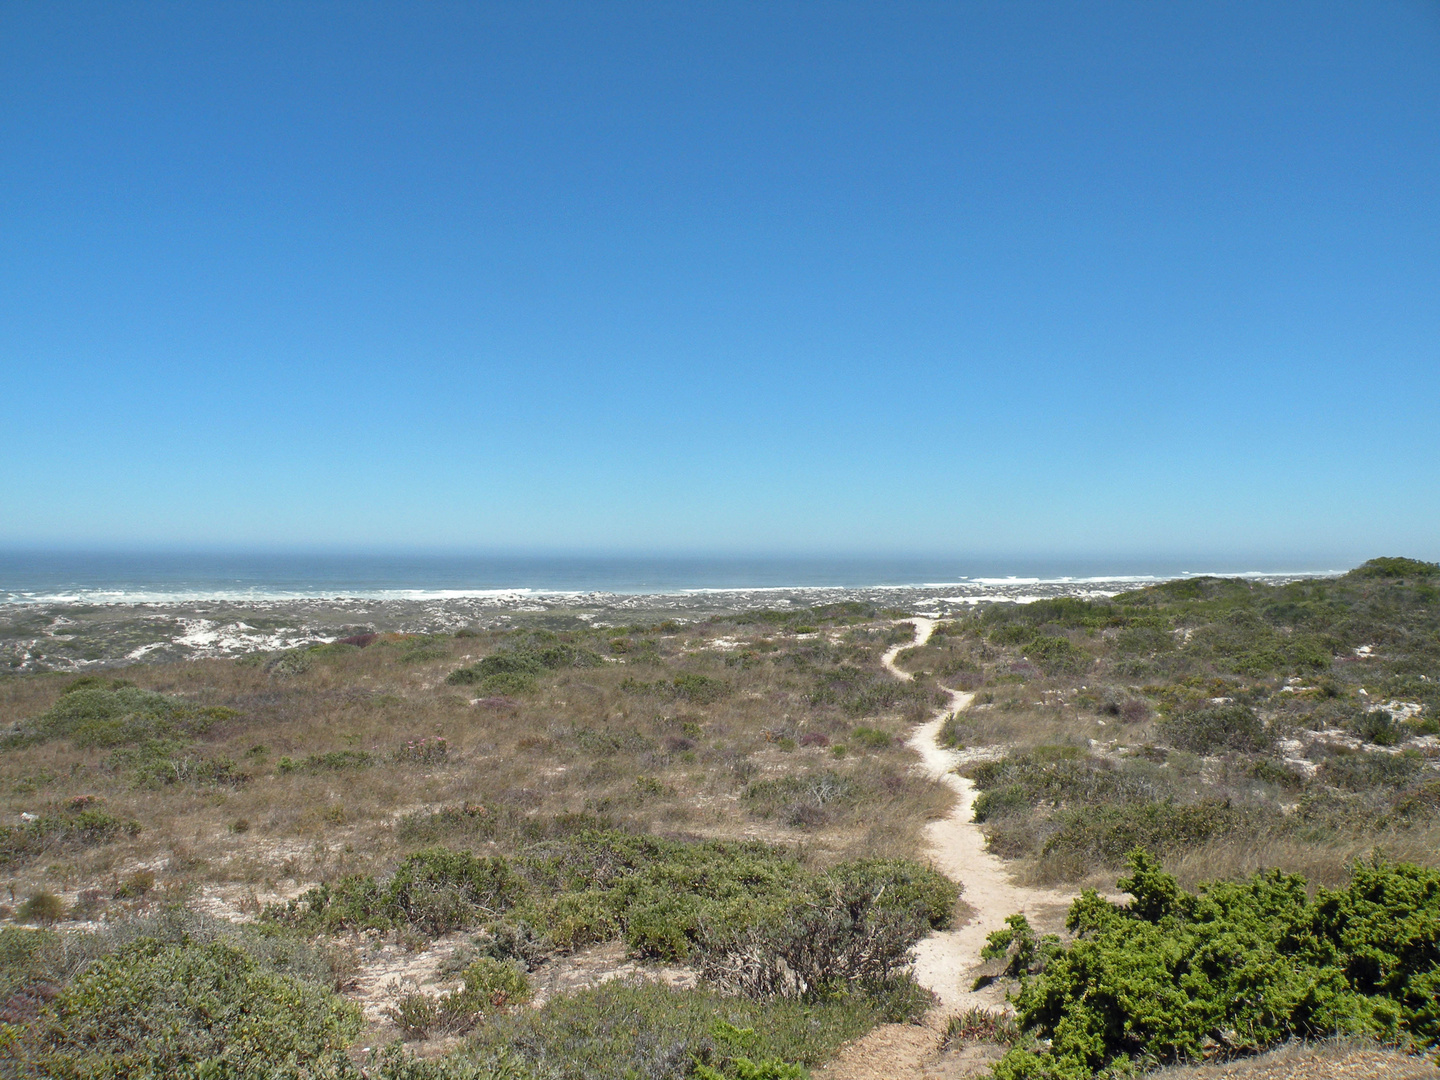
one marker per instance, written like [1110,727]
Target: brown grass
[581,744]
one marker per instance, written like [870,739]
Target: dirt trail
[947,961]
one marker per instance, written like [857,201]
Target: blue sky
[1041,279]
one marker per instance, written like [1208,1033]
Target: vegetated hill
[1276,738]
[1226,724]
[434,832]
[428,828]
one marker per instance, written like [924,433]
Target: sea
[112,577]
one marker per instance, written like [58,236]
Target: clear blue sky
[1050,279]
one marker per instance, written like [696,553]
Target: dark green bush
[1363,771]
[1376,726]
[701,689]
[1103,835]
[157,763]
[865,693]
[852,928]
[1239,966]
[1394,568]
[664,898]
[518,668]
[872,738]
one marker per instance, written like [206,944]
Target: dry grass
[586,742]
[1340,1059]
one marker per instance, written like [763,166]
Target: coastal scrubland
[697,849]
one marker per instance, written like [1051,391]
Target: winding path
[946,962]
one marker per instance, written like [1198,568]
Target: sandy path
[946,962]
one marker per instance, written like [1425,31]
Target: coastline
[79,633]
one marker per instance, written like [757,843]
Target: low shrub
[865,693]
[701,689]
[981,1025]
[122,716]
[157,763]
[1378,727]
[1364,771]
[1221,727]
[488,986]
[80,824]
[872,738]
[156,1009]
[668,900]
[135,886]
[514,670]
[646,1029]
[436,890]
[1235,968]
[427,750]
[1103,835]
[43,908]
[330,761]
[290,663]
[1057,655]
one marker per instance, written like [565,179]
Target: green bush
[865,693]
[1057,655]
[43,908]
[1364,771]
[124,716]
[1221,727]
[442,890]
[290,663]
[1394,568]
[1103,835]
[80,824]
[648,1030]
[1238,966]
[1376,726]
[872,738]
[518,668]
[330,761]
[436,890]
[488,986]
[665,899]
[156,1010]
[841,934]
[157,763]
[701,689]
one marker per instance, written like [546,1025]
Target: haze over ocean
[994,285]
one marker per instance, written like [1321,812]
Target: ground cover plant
[1234,968]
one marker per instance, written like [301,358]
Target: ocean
[39,577]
